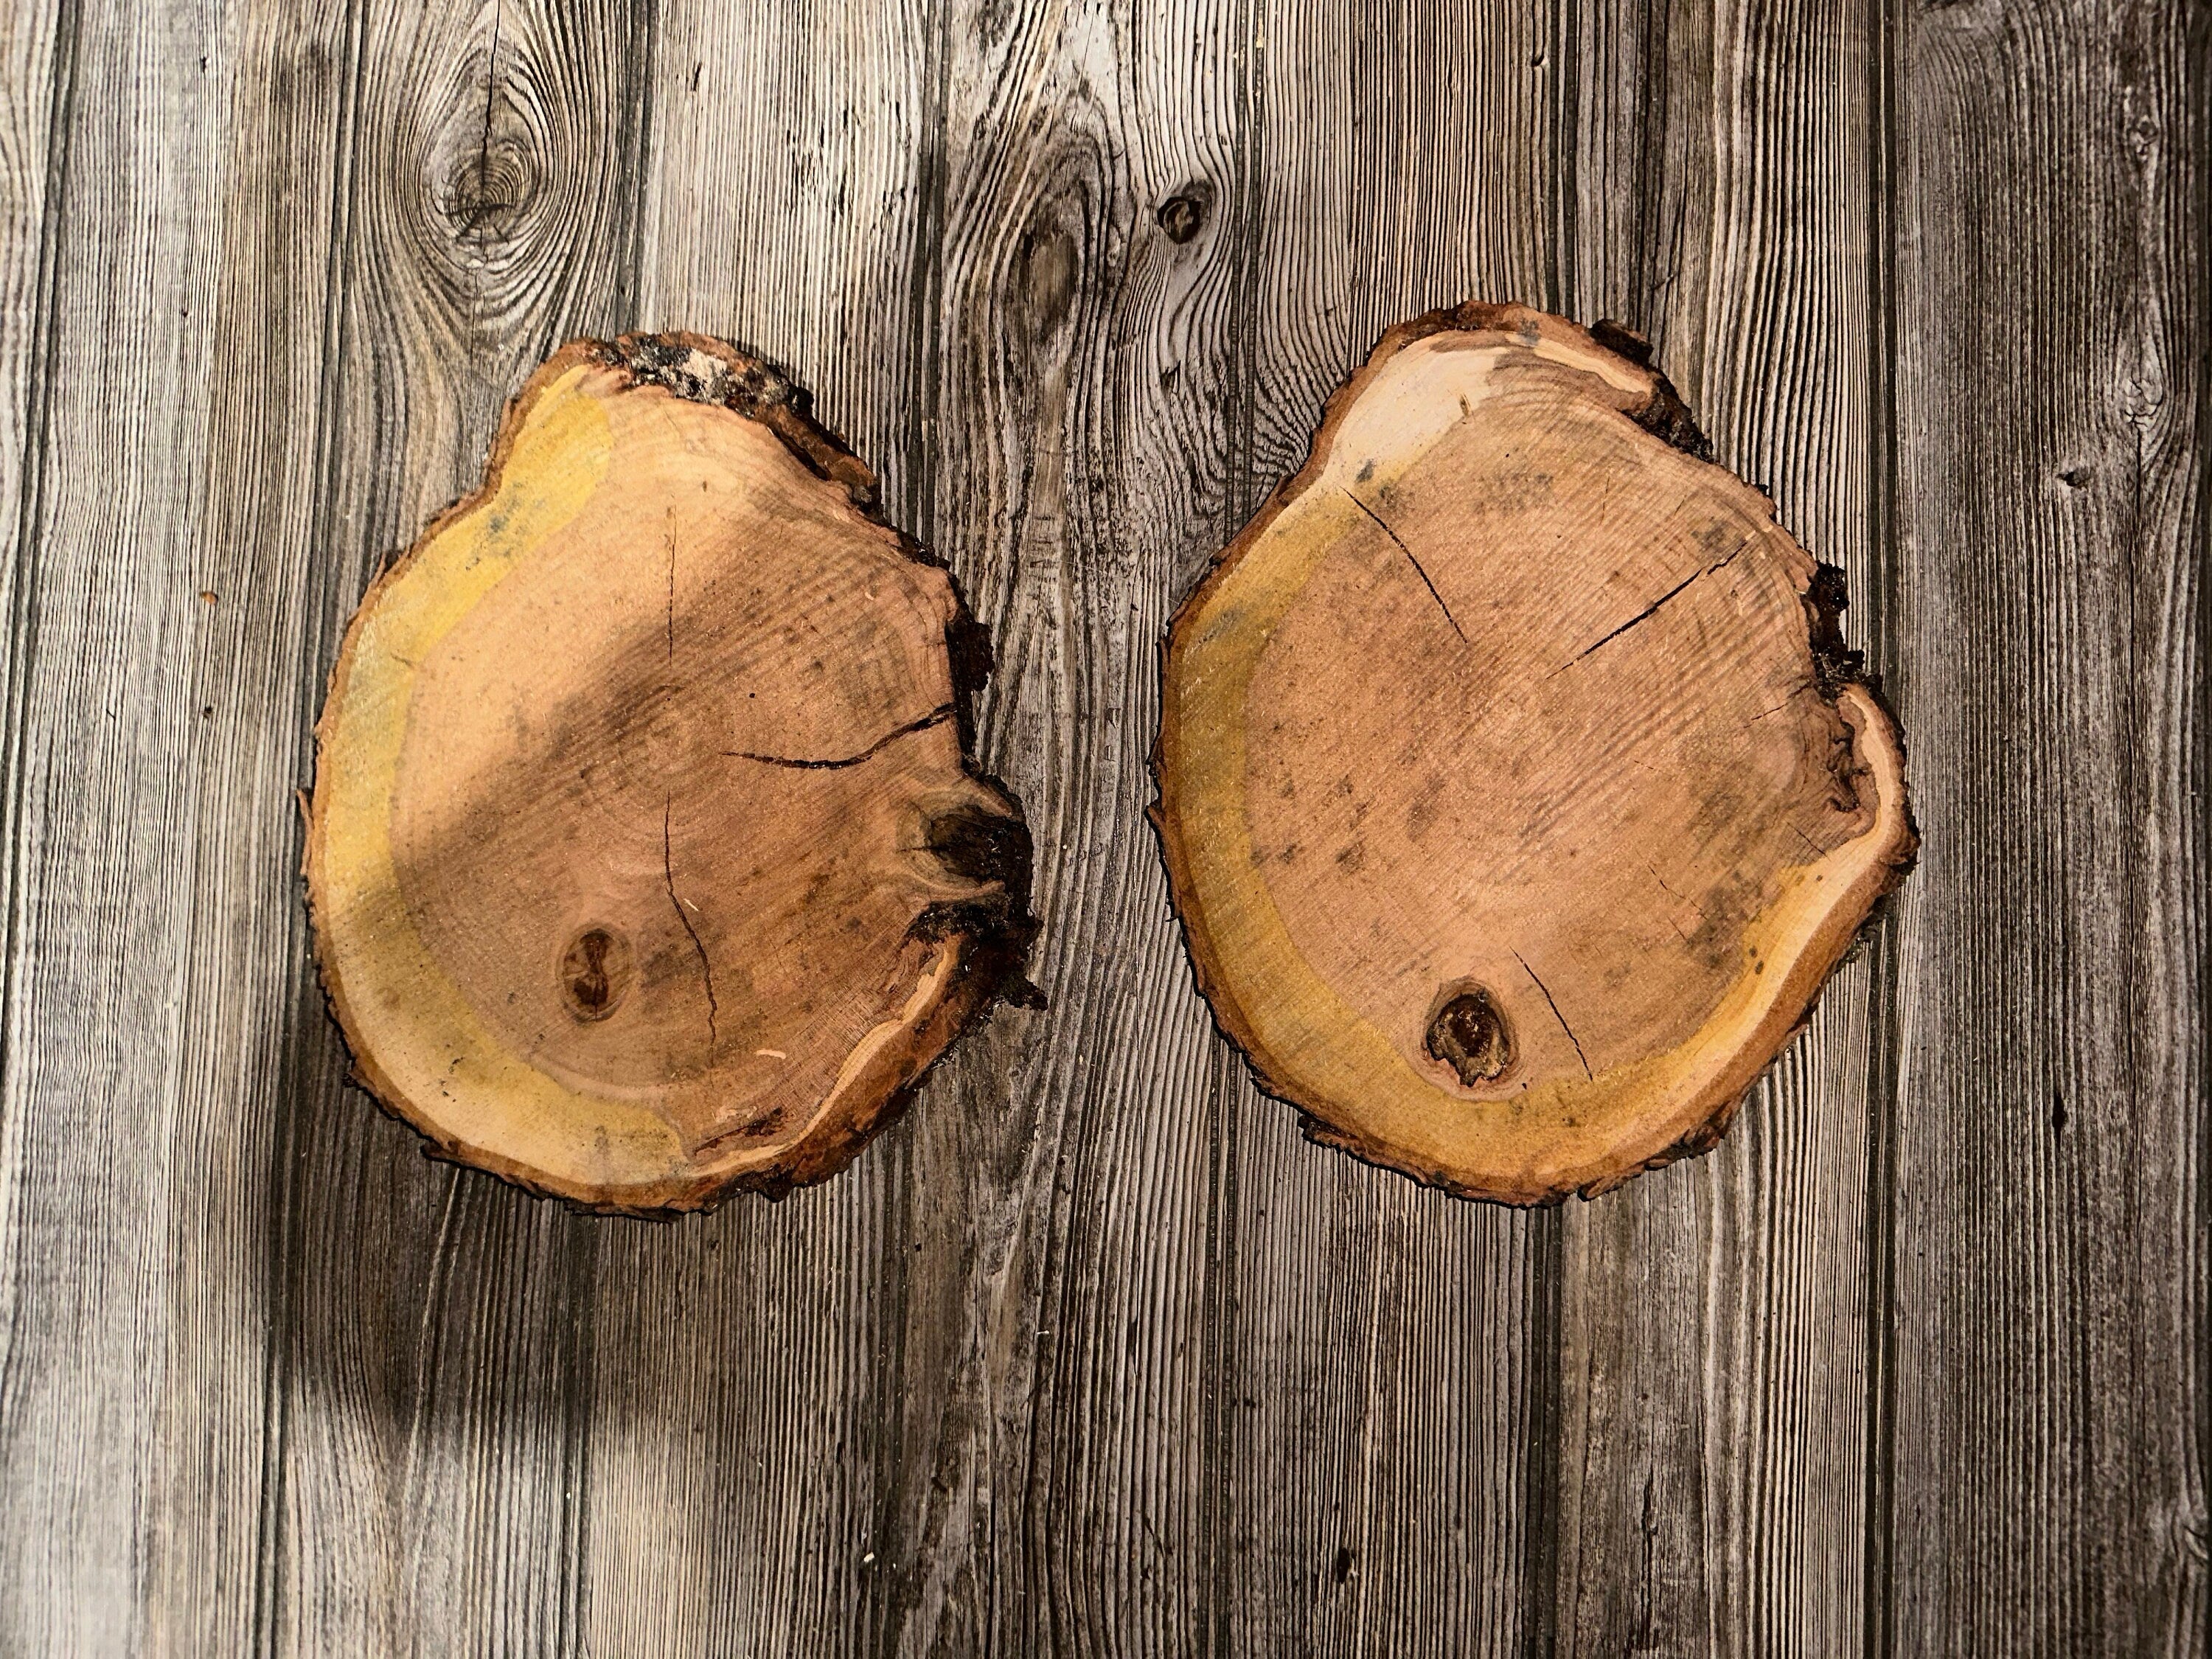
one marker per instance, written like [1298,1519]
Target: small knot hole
[1183,214]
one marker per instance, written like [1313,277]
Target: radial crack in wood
[1516,791]
[646,858]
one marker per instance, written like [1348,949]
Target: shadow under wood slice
[646,858]
[1516,791]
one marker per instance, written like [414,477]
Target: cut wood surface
[1091,1352]
[1518,794]
[645,860]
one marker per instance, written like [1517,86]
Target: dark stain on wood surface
[1092,1353]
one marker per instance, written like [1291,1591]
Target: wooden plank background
[1092,1354]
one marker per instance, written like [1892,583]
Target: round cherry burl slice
[645,860]
[1516,794]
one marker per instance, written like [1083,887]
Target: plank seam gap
[30,533]
[1544,1380]
[2197,72]
[1242,490]
[1884,1060]
[305,1003]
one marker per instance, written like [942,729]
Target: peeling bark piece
[645,858]
[1516,794]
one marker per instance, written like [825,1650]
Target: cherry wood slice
[1516,791]
[645,858]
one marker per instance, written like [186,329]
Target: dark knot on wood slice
[645,857]
[1469,1034]
[1517,790]
[595,972]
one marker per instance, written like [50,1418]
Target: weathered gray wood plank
[2048,177]
[106,758]
[432,1328]
[280,73]
[744,1477]
[1716,1362]
[37,69]
[1393,1347]
[1064,1308]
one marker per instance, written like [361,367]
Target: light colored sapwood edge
[981,948]
[1889,847]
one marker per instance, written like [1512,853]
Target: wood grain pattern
[37,69]
[1066,1316]
[431,1357]
[1622,732]
[1395,1349]
[109,766]
[768,1338]
[645,860]
[2049,1156]
[1092,1354]
[1716,1350]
